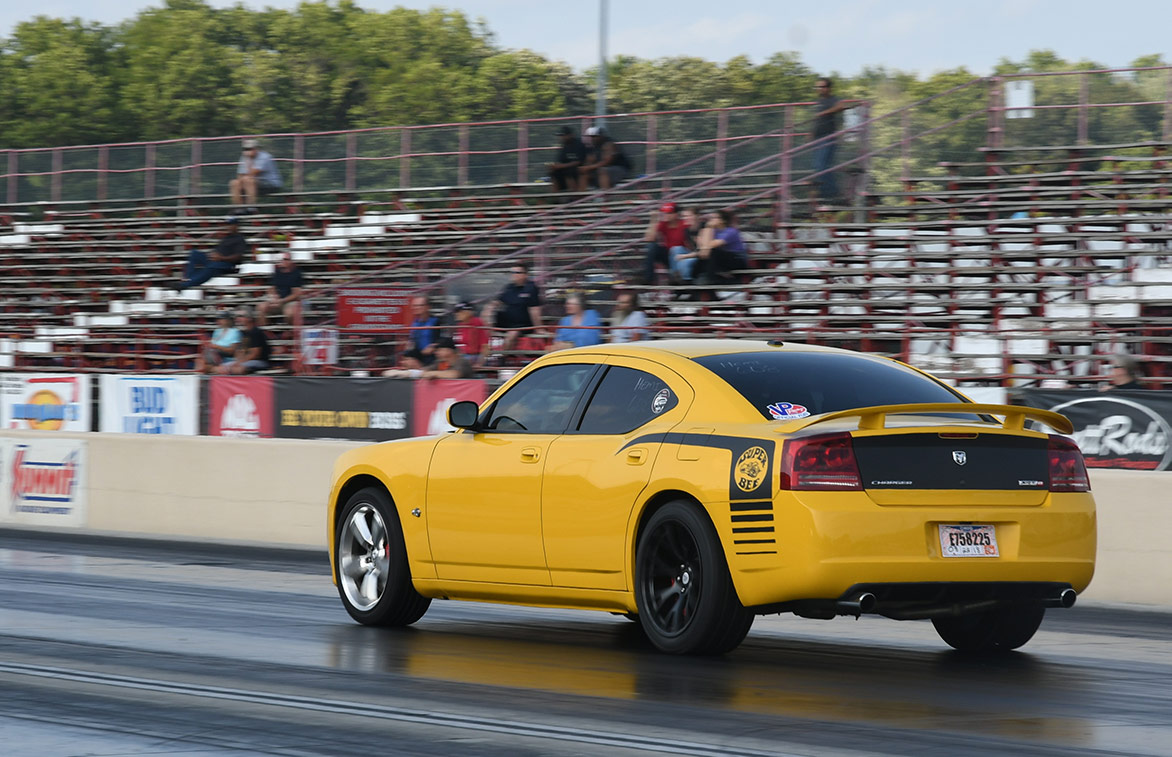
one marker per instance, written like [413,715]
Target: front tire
[1000,630]
[686,599]
[374,579]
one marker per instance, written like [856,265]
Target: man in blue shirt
[256,174]
[424,329]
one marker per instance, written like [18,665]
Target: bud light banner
[434,397]
[1116,429]
[45,401]
[43,481]
[149,404]
[240,406]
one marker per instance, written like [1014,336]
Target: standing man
[471,335]
[827,122]
[284,295]
[520,305]
[563,172]
[256,175]
[223,258]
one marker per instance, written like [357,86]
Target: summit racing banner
[149,404]
[365,409]
[45,401]
[42,481]
[1117,429]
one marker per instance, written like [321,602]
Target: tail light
[820,463]
[1068,472]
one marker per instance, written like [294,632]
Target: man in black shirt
[606,162]
[253,351]
[223,258]
[827,121]
[563,172]
[520,305]
[284,295]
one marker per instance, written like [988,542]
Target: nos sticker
[787,411]
[751,469]
[660,401]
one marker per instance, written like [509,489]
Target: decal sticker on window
[787,411]
[751,469]
[660,401]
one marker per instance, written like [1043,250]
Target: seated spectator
[627,322]
[520,305]
[563,172]
[722,250]
[256,174]
[471,334]
[253,351]
[1125,375]
[424,329]
[410,365]
[284,295]
[449,364]
[683,262]
[579,328]
[222,346]
[224,257]
[606,163]
[665,235]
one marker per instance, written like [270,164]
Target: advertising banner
[240,406]
[45,401]
[42,482]
[319,346]
[373,309]
[434,397]
[1117,429]
[372,409]
[149,404]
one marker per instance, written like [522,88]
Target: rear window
[789,384]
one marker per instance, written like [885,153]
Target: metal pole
[600,102]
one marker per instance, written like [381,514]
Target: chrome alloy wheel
[363,557]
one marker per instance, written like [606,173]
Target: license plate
[968,541]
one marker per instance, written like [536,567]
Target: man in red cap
[666,236]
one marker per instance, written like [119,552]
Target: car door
[595,471]
[484,488]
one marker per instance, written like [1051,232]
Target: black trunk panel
[926,461]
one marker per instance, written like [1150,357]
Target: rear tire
[686,599]
[370,558]
[1000,630]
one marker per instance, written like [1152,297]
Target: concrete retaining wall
[272,492]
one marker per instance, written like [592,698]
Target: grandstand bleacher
[1023,265]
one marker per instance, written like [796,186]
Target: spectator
[563,172]
[253,351]
[256,174]
[471,334]
[579,327]
[410,365]
[722,250]
[449,364]
[227,254]
[222,346]
[627,322]
[520,305]
[424,329]
[683,263]
[606,163]
[284,294]
[827,123]
[1125,374]
[666,235]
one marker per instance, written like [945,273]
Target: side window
[624,400]
[541,402]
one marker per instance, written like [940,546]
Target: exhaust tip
[867,602]
[1067,598]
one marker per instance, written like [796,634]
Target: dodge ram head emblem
[959,457]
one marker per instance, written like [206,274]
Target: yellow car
[695,484]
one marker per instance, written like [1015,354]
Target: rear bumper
[916,601]
[827,543]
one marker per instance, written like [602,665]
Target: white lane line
[514,728]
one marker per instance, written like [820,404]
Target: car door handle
[636,456]
[530,455]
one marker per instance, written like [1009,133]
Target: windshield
[785,385]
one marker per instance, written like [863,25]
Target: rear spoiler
[874,418]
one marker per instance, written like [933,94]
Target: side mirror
[463,414]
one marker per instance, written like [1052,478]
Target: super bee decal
[750,464]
